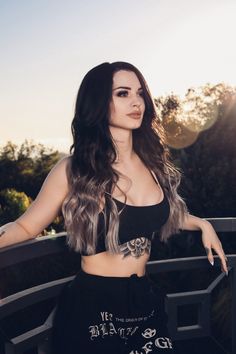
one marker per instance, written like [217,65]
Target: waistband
[133,290]
[93,278]
[112,284]
[131,294]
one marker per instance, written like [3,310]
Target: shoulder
[59,173]
[62,165]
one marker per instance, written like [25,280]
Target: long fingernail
[212,262]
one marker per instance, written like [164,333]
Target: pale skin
[141,190]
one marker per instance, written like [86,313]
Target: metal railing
[40,336]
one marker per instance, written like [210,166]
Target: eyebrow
[126,88]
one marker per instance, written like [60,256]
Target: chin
[130,126]
[137,125]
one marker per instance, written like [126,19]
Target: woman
[117,190]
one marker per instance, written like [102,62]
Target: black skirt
[97,314]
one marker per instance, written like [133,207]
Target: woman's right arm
[42,210]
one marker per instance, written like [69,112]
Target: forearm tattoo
[136,248]
[2,233]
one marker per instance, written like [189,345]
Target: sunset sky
[47,47]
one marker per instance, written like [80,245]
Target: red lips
[135,115]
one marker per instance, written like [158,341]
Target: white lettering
[103,329]
[119,319]
[149,333]
[112,329]
[129,331]
[163,342]
[134,330]
[106,316]
[148,347]
[94,331]
[121,332]
[170,342]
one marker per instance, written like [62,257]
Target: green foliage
[12,205]
[200,131]
[209,167]
[25,167]
[23,170]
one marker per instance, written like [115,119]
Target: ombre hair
[90,173]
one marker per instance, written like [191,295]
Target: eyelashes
[122,93]
[125,93]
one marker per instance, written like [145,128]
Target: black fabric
[134,222]
[119,315]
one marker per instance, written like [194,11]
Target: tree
[26,166]
[201,130]
[22,172]
[12,205]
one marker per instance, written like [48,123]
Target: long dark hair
[90,173]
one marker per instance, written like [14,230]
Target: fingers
[223,259]
[222,256]
[209,255]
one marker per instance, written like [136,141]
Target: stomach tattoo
[136,247]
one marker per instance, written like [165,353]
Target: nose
[137,102]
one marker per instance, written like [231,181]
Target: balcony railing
[40,336]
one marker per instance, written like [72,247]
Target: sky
[47,46]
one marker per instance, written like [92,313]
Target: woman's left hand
[211,242]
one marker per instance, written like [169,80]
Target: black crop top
[135,222]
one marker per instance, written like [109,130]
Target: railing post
[10,348]
[233,292]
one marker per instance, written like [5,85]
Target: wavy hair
[90,173]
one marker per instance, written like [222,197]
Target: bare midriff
[110,265]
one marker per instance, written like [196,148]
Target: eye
[141,93]
[122,93]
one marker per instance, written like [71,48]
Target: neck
[123,141]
